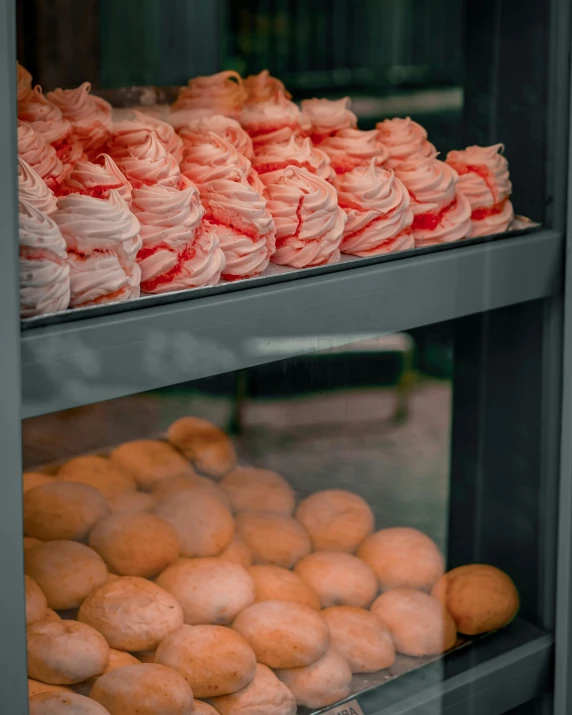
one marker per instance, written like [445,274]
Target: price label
[350,708]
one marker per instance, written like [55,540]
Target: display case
[337,480]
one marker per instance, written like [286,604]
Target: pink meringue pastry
[348,148]
[325,117]
[102,238]
[40,155]
[272,122]
[225,127]
[44,272]
[134,130]
[271,159]
[379,216]
[176,252]
[221,93]
[97,180]
[309,222]
[441,213]
[33,190]
[263,87]
[144,161]
[404,139]
[212,158]
[484,179]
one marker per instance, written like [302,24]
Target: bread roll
[273,538]
[360,638]
[30,543]
[259,490]
[99,473]
[283,634]
[132,501]
[209,590]
[68,703]
[34,479]
[273,583]
[322,683]
[145,689]
[337,520]
[66,571]
[35,688]
[237,552]
[190,483]
[117,659]
[202,708]
[204,525]
[213,660]
[149,461]
[135,543]
[36,603]
[132,613]
[418,623]
[339,579]
[62,510]
[403,558]
[207,446]
[264,695]
[65,652]
[480,598]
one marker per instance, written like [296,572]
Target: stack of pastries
[163,577]
[237,177]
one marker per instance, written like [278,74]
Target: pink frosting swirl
[97,180]
[309,222]
[44,117]
[324,117]
[147,162]
[134,131]
[212,158]
[44,272]
[33,190]
[102,237]
[40,155]
[272,159]
[348,148]
[404,139]
[263,87]
[225,127]
[221,93]
[272,122]
[379,216]
[24,84]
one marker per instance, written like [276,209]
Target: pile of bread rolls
[162,578]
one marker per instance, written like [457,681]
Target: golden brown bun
[264,695]
[337,520]
[202,708]
[207,446]
[273,583]
[65,652]
[34,479]
[36,603]
[213,660]
[30,543]
[35,688]
[210,591]
[252,489]
[322,683]
[64,704]
[403,558]
[273,538]
[135,543]
[132,501]
[117,659]
[191,483]
[360,638]
[131,613]
[418,623]
[149,461]
[66,571]
[339,579]
[480,598]
[99,473]
[145,689]
[283,634]
[62,510]
[237,552]
[204,525]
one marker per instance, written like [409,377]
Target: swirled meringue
[144,161]
[212,158]
[24,83]
[484,179]
[33,190]
[272,122]
[134,131]
[324,117]
[271,159]
[309,222]
[379,216]
[404,140]
[348,148]
[263,87]
[44,272]
[225,127]
[97,180]
[221,93]
[40,155]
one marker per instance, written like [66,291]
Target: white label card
[350,708]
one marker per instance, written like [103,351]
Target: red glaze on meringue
[379,215]
[144,161]
[24,83]
[263,87]
[40,155]
[404,140]
[225,127]
[271,159]
[348,148]
[221,93]
[97,180]
[33,190]
[212,158]
[272,122]
[325,117]
[134,131]
[309,222]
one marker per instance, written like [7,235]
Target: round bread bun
[273,583]
[213,660]
[264,695]
[99,473]
[202,708]
[117,659]
[322,683]
[149,461]
[62,510]
[339,579]
[35,688]
[65,652]
[237,552]
[34,479]
[144,689]
[205,444]
[30,543]
[480,598]
[135,543]
[66,571]
[360,638]
[252,489]
[403,558]
[209,590]
[283,634]
[132,501]
[337,520]
[68,703]
[204,525]
[273,538]
[36,602]
[131,613]
[191,483]
[418,623]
